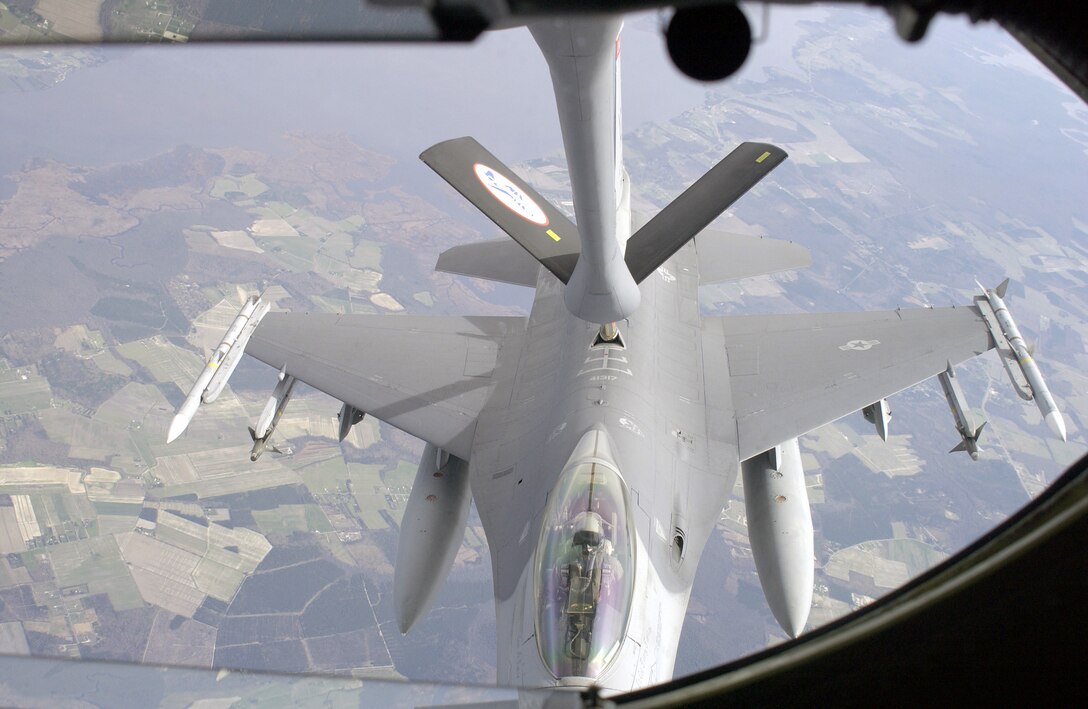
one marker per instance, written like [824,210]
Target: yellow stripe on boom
[766,154]
[555,237]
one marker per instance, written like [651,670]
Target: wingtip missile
[178,424]
[1018,358]
[1056,423]
[219,366]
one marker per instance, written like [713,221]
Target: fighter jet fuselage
[642,396]
[601,436]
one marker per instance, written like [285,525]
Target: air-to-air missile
[961,414]
[270,416]
[220,365]
[1025,375]
[233,355]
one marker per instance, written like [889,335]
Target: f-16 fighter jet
[601,435]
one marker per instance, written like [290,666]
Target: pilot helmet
[587,529]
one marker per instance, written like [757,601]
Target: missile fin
[1001,288]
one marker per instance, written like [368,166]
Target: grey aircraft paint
[599,468]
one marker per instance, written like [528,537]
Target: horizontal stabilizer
[509,201]
[699,205]
[725,256]
[500,260]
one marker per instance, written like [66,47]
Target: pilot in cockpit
[588,530]
[585,565]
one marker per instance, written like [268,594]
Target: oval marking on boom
[511,196]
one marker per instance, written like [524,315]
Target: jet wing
[789,374]
[428,376]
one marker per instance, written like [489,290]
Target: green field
[121,509]
[87,438]
[166,362]
[105,361]
[32,489]
[98,563]
[105,525]
[150,18]
[33,560]
[41,513]
[247,185]
[370,515]
[331,305]
[292,518]
[23,390]
[316,520]
[57,508]
[367,254]
[274,210]
[329,474]
[336,242]
[145,457]
[401,476]
[182,540]
[292,251]
[918,556]
[129,405]
[367,487]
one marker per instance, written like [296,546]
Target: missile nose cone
[177,427]
[1057,423]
